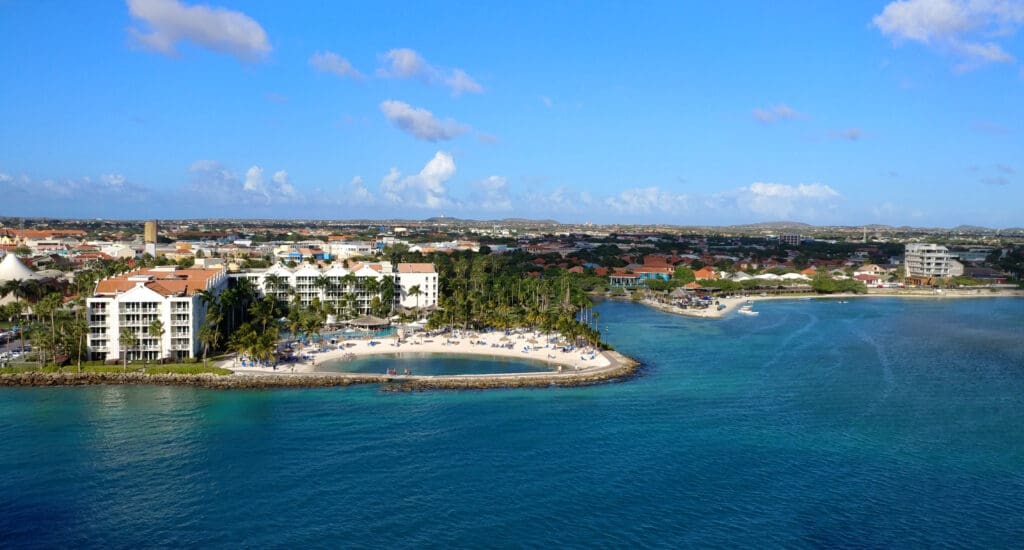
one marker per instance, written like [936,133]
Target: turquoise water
[875,423]
[427,364]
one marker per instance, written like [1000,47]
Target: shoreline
[733,302]
[531,346]
[575,367]
[618,367]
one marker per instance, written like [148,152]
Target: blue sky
[907,112]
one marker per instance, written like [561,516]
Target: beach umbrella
[504,338]
[532,340]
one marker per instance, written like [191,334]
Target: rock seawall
[622,367]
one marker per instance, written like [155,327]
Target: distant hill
[519,221]
[971,229]
[772,226]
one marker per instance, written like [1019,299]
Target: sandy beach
[525,345]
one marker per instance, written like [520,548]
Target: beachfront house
[135,299]
[620,278]
[416,284]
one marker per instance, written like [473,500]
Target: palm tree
[387,294]
[273,283]
[415,292]
[227,301]
[209,332]
[245,294]
[128,340]
[372,286]
[10,287]
[156,328]
[262,311]
[209,299]
[322,283]
[47,307]
[78,329]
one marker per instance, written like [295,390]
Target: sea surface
[876,423]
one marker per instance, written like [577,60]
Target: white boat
[747,310]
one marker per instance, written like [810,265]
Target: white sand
[459,343]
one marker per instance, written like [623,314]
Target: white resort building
[137,298]
[359,283]
[931,261]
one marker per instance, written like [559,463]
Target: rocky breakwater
[620,367]
[232,381]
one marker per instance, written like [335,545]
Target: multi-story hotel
[137,298]
[339,285]
[928,261]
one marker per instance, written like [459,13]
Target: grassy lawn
[174,368]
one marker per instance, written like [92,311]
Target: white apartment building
[349,249]
[931,260]
[137,298]
[348,287]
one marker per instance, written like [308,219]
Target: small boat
[747,310]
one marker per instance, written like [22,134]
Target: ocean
[876,423]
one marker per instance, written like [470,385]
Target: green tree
[128,340]
[156,329]
[416,292]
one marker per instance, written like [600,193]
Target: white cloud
[644,200]
[962,28]
[777,112]
[330,62]
[281,185]
[218,29]
[106,188]
[421,123]
[357,193]
[220,185]
[408,63]
[404,63]
[491,194]
[424,190]
[459,82]
[278,189]
[780,201]
[559,201]
[254,180]
[114,182]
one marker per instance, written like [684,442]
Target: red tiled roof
[415,268]
[163,282]
[654,269]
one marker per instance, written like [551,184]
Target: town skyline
[901,113]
